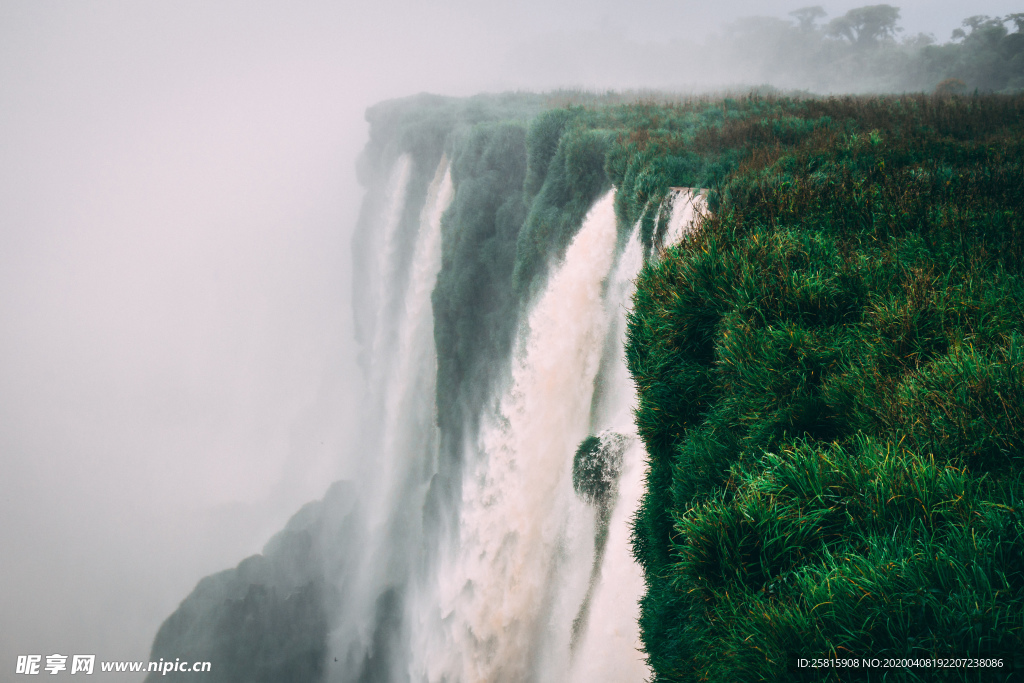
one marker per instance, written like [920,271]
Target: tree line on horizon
[865,50]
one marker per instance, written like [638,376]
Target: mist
[177,194]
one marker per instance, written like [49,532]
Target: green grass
[831,384]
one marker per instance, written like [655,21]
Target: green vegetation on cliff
[831,373]
[831,384]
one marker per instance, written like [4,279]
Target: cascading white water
[381,294]
[509,593]
[402,374]
[519,513]
[526,591]
[686,207]
[411,376]
[609,649]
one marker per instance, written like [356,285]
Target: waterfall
[507,594]
[609,649]
[401,444]
[686,205]
[534,579]
[386,249]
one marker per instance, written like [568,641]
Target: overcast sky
[176,198]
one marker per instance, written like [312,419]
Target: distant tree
[983,54]
[866,50]
[807,16]
[866,26]
[982,27]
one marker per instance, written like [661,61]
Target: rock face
[267,620]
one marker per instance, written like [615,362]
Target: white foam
[687,207]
